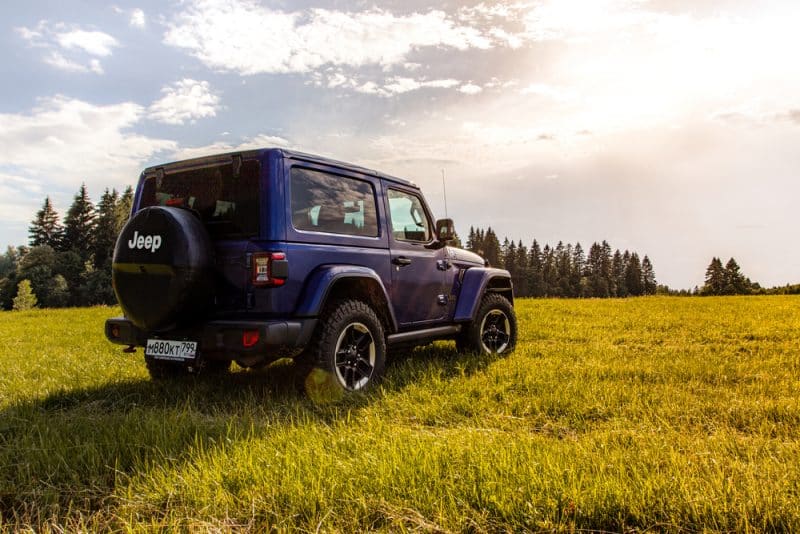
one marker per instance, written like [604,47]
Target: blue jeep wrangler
[259,255]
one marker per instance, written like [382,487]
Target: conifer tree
[633,276]
[123,209]
[577,283]
[45,228]
[521,268]
[105,234]
[549,273]
[79,225]
[471,240]
[715,278]
[618,273]
[491,248]
[735,282]
[25,299]
[649,284]
[510,257]
[535,275]
[605,267]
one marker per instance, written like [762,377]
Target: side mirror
[445,230]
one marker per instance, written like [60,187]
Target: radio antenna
[444,192]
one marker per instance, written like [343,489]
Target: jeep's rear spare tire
[162,270]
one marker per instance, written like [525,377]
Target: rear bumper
[222,338]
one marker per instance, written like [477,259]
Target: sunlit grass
[664,413]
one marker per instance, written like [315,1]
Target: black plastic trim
[426,334]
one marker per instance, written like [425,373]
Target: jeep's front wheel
[351,349]
[494,330]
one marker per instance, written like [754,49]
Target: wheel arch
[478,281]
[334,282]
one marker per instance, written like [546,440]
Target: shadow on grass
[69,452]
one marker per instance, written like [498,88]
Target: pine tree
[510,257]
[25,299]
[535,275]
[491,248]
[633,276]
[577,282]
[595,270]
[45,228]
[79,225]
[618,275]
[549,273]
[715,278]
[649,284]
[123,210]
[563,256]
[521,268]
[605,268]
[735,282]
[471,245]
[105,234]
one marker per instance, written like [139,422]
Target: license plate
[164,349]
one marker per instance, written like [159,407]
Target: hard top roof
[291,154]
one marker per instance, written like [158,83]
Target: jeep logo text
[152,242]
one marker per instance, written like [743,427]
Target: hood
[464,258]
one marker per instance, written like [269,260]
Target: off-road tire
[494,330]
[349,346]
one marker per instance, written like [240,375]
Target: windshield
[227,205]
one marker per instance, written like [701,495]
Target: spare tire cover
[162,269]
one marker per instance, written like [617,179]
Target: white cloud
[243,36]
[63,142]
[56,59]
[470,89]
[578,20]
[95,43]
[83,46]
[185,100]
[394,85]
[398,85]
[138,19]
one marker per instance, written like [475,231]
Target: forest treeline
[566,270]
[66,264]
[69,263]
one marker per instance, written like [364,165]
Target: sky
[667,127]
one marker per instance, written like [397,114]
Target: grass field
[651,413]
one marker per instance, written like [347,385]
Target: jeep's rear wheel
[350,348]
[494,330]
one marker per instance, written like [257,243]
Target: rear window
[333,204]
[227,205]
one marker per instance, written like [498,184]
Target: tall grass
[652,413]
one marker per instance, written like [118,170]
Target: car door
[417,264]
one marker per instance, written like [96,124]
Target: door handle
[401,261]
[443,265]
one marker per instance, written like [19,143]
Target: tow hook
[130,349]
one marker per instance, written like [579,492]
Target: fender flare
[474,285]
[321,281]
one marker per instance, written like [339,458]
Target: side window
[323,202]
[409,222]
